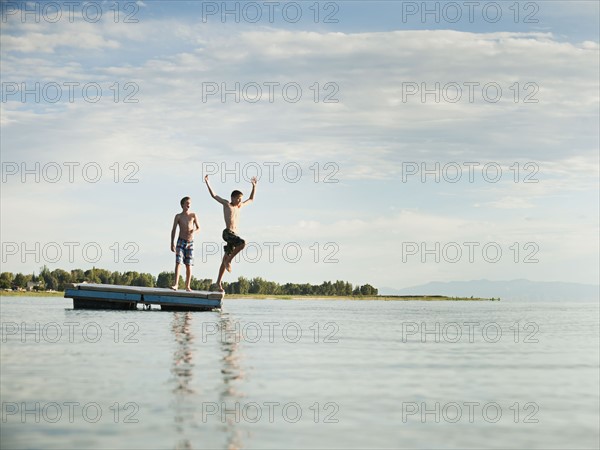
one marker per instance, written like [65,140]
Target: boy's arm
[212,194]
[251,198]
[196,225]
[175,221]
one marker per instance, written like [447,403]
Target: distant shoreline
[428,298]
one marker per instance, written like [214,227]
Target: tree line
[57,280]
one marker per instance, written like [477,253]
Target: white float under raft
[111,296]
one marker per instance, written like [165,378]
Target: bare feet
[174,287]
[189,289]
[220,287]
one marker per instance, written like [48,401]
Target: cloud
[30,41]
[372,129]
[369,74]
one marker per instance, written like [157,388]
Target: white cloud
[50,42]
[369,133]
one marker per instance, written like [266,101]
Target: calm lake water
[301,374]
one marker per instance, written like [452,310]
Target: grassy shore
[286,297]
[31,294]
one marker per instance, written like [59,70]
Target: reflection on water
[186,400]
[232,374]
[182,359]
[231,368]
[182,370]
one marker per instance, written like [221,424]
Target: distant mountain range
[506,290]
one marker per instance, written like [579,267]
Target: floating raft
[111,296]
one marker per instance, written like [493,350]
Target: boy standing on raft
[235,244]
[184,249]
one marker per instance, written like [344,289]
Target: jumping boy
[184,249]
[235,244]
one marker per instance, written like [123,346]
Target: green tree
[200,285]
[143,279]
[165,279]
[272,288]
[127,278]
[257,286]
[77,276]
[307,289]
[290,289]
[339,288]
[230,288]
[243,285]
[50,281]
[21,280]
[6,280]
[367,289]
[348,289]
[91,276]
[62,277]
[115,277]
[103,276]
[233,288]
[326,288]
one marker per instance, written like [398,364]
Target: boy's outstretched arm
[210,191]
[251,198]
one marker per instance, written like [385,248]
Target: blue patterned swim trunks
[184,252]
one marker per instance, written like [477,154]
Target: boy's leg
[238,244]
[235,244]
[188,277]
[220,277]
[179,259]
[176,285]
[188,255]
[228,258]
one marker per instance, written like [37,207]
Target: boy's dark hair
[183,200]
[236,193]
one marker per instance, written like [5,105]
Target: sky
[396,143]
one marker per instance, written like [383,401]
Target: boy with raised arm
[235,244]
[187,222]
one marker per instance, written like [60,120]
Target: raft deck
[111,296]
